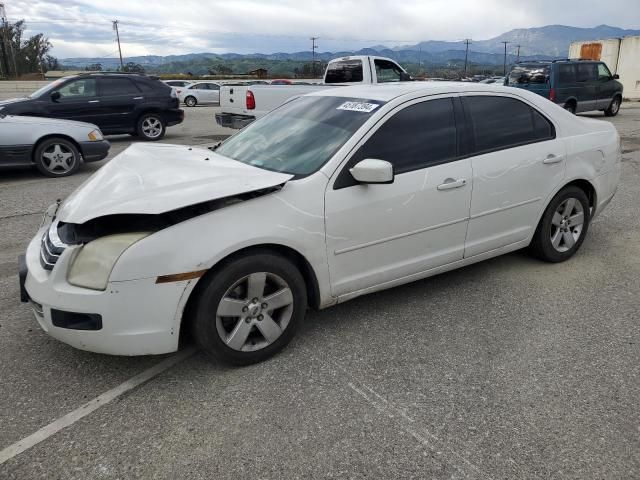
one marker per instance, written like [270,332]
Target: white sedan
[331,196]
[199,93]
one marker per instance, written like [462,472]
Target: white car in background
[331,196]
[199,93]
[56,147]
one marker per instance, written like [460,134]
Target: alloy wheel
[254,312]
[58,159]
[152,127]
[615,106]
[567,224]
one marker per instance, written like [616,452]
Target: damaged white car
[330,196]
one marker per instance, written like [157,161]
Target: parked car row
[36,129]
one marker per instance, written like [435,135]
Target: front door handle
[94,101]
[138,98]
[551,159]
[450,183]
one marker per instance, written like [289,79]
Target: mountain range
[548,42]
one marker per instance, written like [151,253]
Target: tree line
[20,55]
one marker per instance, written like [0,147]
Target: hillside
[551,41]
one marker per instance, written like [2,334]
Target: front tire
[249,308]
[614,108]
[563,226]
[151,127]
[57,157]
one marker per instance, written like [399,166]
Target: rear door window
[566,73]
[344,71]
[502,122]
[587,72]
[117,86]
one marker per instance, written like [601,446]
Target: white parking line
[72,417]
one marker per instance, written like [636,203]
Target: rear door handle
[94,101]
[551,159]
[450,183]
[138,98]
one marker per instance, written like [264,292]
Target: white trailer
[622,56]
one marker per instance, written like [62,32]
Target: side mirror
[372,170]
[405,77]
[616,77]
[55,96]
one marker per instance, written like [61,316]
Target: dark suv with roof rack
[577,85]
[116,102]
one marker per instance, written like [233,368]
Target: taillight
[552,94]
[251,100]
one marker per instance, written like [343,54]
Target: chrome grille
[51,247]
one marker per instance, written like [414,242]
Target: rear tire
[614,107]
[190,101]
[570,107]
[249,308]
[57,157]
[563,226]
[151,127]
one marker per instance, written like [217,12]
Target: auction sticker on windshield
[358,107]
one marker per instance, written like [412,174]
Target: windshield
[300,136]
[535,73]
[47,88]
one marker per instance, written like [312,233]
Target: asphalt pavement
[510,368]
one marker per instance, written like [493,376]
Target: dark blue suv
[577,85]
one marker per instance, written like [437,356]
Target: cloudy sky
[83,28]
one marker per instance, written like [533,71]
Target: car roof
[388,91]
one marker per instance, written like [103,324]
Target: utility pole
[115,27]
[504,69]
[3,43]
[313,56]
[467,41]
[518,55]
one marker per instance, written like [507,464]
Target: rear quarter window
[523,74]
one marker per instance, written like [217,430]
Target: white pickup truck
[242,104]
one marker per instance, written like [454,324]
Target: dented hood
[158,178]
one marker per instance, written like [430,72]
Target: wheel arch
[303,265]
[585,185]
[51,136]
[147,110]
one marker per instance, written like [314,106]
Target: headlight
[95,135]
[92,266]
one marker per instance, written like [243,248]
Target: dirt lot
[510,368]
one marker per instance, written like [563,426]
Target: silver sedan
[55,147]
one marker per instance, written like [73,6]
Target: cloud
[162,27]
